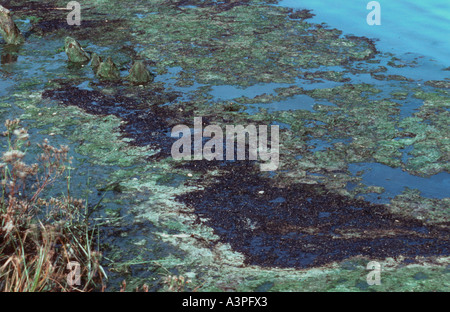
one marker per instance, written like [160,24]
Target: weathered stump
[107,70]
[139,74]
[96,60]
[10,33]
[75,52]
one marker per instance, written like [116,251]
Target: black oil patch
[147,124]
[304,225]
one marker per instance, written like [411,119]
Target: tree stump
[11,34]
[139,74]
[75,52]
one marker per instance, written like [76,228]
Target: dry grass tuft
[40,238]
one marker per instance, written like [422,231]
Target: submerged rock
[11,34]
[107,70]
[75,52]
[139,74]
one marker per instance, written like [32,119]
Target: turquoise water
[419,27]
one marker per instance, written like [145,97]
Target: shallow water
[395,181]
[407,26]
[301,101]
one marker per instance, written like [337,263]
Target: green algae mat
[364,145]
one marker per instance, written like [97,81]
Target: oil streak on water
[302,225]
